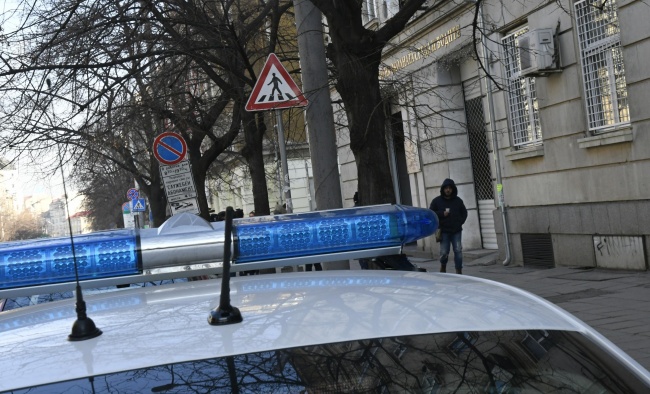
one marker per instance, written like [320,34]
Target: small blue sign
[139,205]
[132,194]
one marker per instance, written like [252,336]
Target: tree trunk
[253,153]
[367,124]
[158,204]
[199,183]
[198,175]
[356,54]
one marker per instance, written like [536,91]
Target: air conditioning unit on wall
[537,54]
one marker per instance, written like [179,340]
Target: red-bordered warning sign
[169,148]
[275,89]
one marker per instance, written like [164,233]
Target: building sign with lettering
[422,51]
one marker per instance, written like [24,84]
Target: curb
[490,259]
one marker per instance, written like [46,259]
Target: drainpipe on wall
[495,142]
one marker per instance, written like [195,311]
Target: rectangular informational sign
[129,221]
[190,205]
[181,168]
[178,181]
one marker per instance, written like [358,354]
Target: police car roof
[152,326]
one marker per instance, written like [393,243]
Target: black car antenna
[83,328]
[226,313]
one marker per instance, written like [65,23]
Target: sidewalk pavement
[615,303]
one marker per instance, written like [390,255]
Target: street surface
[615,303]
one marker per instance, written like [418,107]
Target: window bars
[522,98]
[601,56]
[479,148]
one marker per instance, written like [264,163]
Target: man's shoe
[459,271]
[443,268]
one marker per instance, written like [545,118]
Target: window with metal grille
[603,73]
[522,98]
[479,149]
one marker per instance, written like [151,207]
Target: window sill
[526,153]
[614,137]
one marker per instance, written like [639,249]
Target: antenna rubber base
[84,329]
[221,317]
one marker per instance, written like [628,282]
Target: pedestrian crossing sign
[139,205]
[275,89]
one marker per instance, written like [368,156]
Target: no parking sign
[132,194]
[169,148]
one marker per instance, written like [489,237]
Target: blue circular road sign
[132,194]
[169,148]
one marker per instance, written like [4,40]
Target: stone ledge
[526,153]
[615,137]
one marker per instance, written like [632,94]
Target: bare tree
[100,181]
[356,54]
[123,71]
[188,66]
[26,225]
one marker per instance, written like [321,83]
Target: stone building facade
[568,120]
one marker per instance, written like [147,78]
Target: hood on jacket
[449,182]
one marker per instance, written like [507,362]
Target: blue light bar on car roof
[188,241]
[321,232]
[99,255]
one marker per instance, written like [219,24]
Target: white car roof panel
[167,324]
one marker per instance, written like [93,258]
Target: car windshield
[464,362]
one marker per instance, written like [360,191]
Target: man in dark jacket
[452,214]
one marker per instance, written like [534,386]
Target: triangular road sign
[275,88]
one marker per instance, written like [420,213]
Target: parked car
[376,331]
[326,331]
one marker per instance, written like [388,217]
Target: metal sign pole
[283,160]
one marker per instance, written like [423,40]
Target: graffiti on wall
[621,252]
